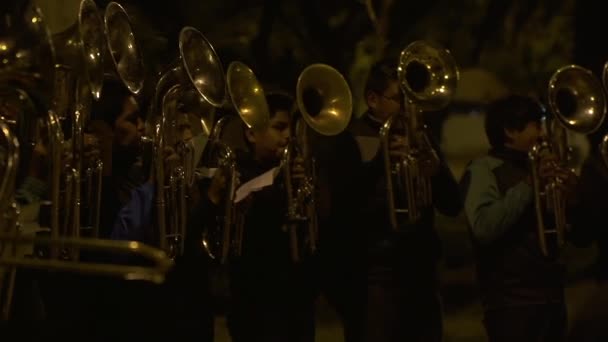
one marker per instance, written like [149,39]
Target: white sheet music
[205,172]
[256,184]
[199,142]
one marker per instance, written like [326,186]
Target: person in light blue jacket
[522,290]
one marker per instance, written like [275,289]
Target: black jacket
[265,245]
[590,215]
[359,214]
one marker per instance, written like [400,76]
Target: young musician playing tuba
[381,281]
[522,290]
[272,298]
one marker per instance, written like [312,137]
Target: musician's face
[384,105]
[523,140]
[129,126]
[268,144]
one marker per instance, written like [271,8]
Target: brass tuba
[324,102]
[248,98]
[78,81]
[577,100]
[197,68]
[428,76]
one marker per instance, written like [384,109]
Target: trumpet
[428,76]
[249,100]
[577,100]
[324,101]
[198,68]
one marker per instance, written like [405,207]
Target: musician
[33,188]
[179,304]
[522,291]
[272,299]
[27,301]
[117,121]
[590,324]
[382,282]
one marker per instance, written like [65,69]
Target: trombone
[428,75]
[324,102]
[578,102]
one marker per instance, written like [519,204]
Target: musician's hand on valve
[547,167]
[297,168]
[397,147]
[170,159]
[567,181]
[91,147]
[217,188]
[105,136]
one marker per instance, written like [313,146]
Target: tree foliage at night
[521,41]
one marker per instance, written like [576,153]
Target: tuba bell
[198,68]
[125,61]
[324,102]
[428,76]
[577,100]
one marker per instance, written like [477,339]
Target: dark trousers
[385,305]
[346,291]
[271,306]
[266,320]
[398,309]
[591,324]
[533,323]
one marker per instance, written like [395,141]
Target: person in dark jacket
[272,297]
[112,307]
[522,290]
[382,279]
[590,324]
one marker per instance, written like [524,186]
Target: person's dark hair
[513,112]
[110,105]
[380,76]
[279,101]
